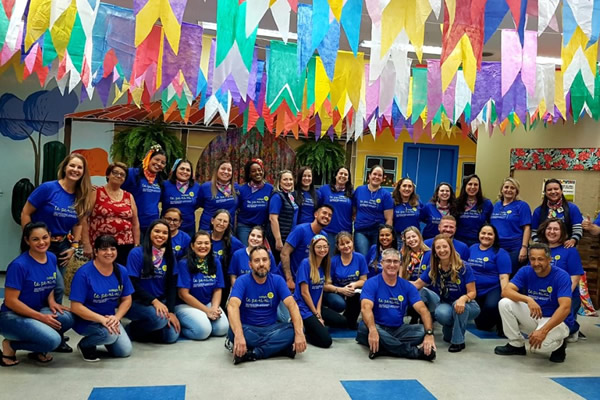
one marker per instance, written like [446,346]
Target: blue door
[427,165]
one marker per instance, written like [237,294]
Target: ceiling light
[435,50]
[266,33]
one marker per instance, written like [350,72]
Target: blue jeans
[401,341]
[242,232]
[96,334]
[283,314]
[363,240]
[26,333]
[490,316]
[454,325]
[56,248]
[146,325]
[334,301]
[267,341]
[430,298]
[196,325]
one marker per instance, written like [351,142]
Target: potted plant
[322,156]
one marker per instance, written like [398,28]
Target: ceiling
[549,43]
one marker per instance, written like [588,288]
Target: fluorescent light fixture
[266,33]
[435,50]
[548,60]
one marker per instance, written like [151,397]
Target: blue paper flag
[595,23]
[522,22]
[320,22]
[329,47]
[495,10]
[305,50]
[350,20]
[569,23]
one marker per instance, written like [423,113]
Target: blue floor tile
[342,333]
[588,387]
[389,390]
[139,393]
[482,334]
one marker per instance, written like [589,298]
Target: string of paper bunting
[99,46]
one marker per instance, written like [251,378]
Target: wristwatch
[429,332]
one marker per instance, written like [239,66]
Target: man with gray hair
[384,300]
[537,302]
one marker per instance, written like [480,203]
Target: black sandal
[35,356]
[11,358]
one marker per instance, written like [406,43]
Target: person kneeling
[537,301]
[98,288]
[384,300]
[252,312]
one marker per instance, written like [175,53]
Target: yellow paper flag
[38,21]
[559,95]
[462,54]
[62,28]
[404,14]
[336,8]
[321,84]
[149,14]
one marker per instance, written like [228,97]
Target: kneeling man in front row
[384,300]
[252,313]
[537,302]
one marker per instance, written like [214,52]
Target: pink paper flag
[512,58]
[528,69]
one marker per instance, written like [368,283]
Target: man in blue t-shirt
[384,300]
[447,226]
[296,245]
[537,301]
[252,313]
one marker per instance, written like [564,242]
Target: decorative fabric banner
[170,13]
[546,10]
[575,59]
[284,84]
[517,59]
[409,15]
[350,20]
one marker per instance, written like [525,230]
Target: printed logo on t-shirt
[266,198]
[357,273]
[549,289]
[509,212]
[164,268]
[414,208]
[557,257]
[191,194]
[458,281]
[423,267]
[270,295]
[400,298]
[486,259]
[220,252]
[378,201]
[177,248]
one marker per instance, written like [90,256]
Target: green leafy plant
[131,145]
[323,156]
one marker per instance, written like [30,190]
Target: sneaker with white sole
[573,338]
[228,345]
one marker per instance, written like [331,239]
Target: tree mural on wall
[42,112]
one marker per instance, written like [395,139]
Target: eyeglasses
[390,261]
[117,174]
[322,247]
[173,220]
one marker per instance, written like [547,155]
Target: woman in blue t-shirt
[338,194]
[415,259]
[61,205]
[555,205]
[283,212]
[386,238]
[311,276]
[512,219]
[442,203]
[218,193]
[239,264]
[374,206]
[253,208]
[452,294]
[348,275]
[180,191]
[30,318]
[200,282]
[179,239]
[145,184]
[306,195]
[553,232]
[100,297]
[491,266]
[152,270]
[473,210]
[407,207]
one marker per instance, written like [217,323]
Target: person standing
[219,193]
[253,200]
[181,191]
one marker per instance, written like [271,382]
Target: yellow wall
[385,145]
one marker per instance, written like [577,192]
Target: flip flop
[35,356]
[11,358]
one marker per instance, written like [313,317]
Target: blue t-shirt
[253,207]
[100,294]
[545,291]
[370,207]
[154,284]
[307,211]
[487,266]
[180,244]
[299,239]
[54,207]
[276,204]
[574,216]
[240,263]
[201,286]
[461,248]
[146,196]
[597,220]
[217,248]
[406,215]
[315,289]
[416,273]
[453,290]
[431,217]
[567,260]
[211,205]
[341,220]
[389,302]
[260,301]
[186,202]
[342,275]
[509,221]
[469,222]
[33,280]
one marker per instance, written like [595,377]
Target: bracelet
[523,246]
[336,289]
[318,315]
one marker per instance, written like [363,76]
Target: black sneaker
[455,348]
[373,355]
[289,352]
[249,356]
[88,353]
[509,350]
[559,355]
[423,356]
[63,347]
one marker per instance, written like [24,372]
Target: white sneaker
[573,338]
[228,344]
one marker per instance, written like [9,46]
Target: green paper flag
[226,22]
[284,82]
[419,91]
[76,46]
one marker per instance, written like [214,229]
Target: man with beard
[252,313]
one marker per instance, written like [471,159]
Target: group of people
[273,266]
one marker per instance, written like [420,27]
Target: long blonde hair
[213,180]
[406,250]
[312,261]
[83,187]
[456,263]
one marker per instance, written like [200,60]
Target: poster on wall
[568,186]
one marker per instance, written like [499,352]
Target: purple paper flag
[487,86]
[514,100]
[187,60]
[448,99]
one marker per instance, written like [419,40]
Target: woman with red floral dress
[114,213]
